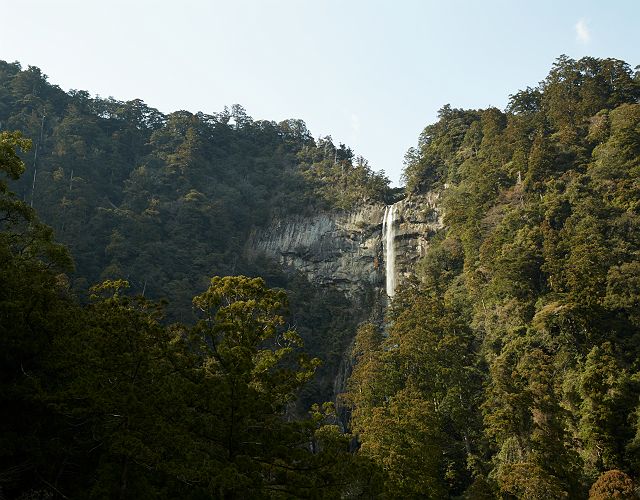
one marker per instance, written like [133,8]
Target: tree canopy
[507,366]
[510,368]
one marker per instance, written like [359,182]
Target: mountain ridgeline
[511,365]
[167,201]
[506,365]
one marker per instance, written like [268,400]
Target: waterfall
[389,235]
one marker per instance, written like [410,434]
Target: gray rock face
[418,218]
[344,250]
[332,249]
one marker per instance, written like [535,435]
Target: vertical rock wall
[339,250]
[345,251]
[417,218]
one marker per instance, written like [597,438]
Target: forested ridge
[508,367]
[166,201]
[511,366]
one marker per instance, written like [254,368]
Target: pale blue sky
[369,73]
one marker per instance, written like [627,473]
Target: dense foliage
[511,368]
[106,401]
[508,368]
[165,201]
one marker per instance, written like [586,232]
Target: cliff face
[345,250]
[417,219]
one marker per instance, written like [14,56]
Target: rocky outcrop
[417,219]
[341,250]
[344,250]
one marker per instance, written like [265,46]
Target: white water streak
[389,232]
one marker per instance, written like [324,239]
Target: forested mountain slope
[167,200]
[512,366]
[508,364]
[106,396]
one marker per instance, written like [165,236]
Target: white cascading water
[389,232]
